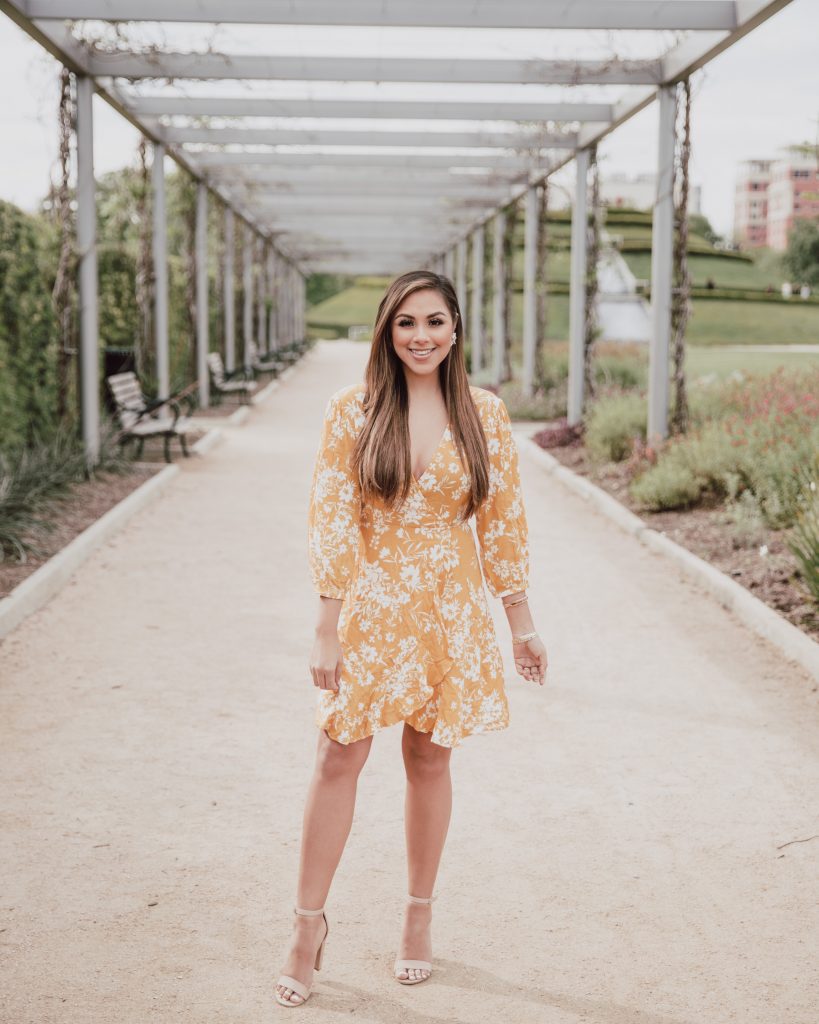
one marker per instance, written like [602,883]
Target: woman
[404,632]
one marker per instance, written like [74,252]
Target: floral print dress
[418,642]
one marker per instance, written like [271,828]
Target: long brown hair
[381,457]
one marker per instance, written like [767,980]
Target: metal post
[498,297]
[160,251]
[247,288]
[272,284]
[202,311]
[230,292]
[477,299]
[577,288]
[261,325]
[88,279]
[461,284]
[529,303]
[662,268]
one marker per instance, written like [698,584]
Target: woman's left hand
[531,660]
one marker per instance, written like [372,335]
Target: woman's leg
[427,811]
[328,816]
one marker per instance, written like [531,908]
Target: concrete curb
[38,588]
[752,612]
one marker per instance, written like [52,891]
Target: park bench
[265,363]
[141,417]
[229,382]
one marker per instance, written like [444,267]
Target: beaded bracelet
[524,638]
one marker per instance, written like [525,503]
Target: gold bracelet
[511,604]
[524,638]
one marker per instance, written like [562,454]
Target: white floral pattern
[418,642]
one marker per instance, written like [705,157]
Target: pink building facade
[770,195]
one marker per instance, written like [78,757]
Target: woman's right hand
[326,660]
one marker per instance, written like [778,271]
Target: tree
[802,257]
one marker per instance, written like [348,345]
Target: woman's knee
[422,758]
[336,760]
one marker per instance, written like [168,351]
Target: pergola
[407,175]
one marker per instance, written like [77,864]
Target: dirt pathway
[616,855]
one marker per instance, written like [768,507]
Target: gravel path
[617,855]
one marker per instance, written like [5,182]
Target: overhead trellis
[343,154]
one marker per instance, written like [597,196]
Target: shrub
[613,423]
[804,540]
[669,484]
[33,479]
[560,435]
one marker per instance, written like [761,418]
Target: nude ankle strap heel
[293,983]
[407,965]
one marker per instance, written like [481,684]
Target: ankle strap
[422,899]
[309,913]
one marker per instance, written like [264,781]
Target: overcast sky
[760,95]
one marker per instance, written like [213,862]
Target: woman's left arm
[503,535]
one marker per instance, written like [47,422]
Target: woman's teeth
[421,353]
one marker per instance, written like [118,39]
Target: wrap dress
[417,639]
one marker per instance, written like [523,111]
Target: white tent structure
[389,138]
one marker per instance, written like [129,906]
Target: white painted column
[261,301]
[230,290]
[202,311]
[577,287]
[89,383]
[461,283]
[247,288]
[498,297]
[272,330]
[160,252]
[529,297]
[449,261]
[662,268]
[477,299]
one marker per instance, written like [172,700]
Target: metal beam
[525,14]
[503,161]
[202,311]
[89,384]
[662,268]
[433,178]
[222,66]
[529,140]
[477,298]
[230,289]
[160,256]
[529,304]
[256,106]
[577,288]
[498,297]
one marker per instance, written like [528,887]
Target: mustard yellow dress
[418,642]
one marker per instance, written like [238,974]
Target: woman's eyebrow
[429,316]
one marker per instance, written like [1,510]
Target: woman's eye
[435,323]
[405,323]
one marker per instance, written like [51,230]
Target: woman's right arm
[333,538]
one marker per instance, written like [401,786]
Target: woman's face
[422,330]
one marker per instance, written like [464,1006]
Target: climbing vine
[541,285]
[591,329]
[63,294]
[681,294]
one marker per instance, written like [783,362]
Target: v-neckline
[418,479]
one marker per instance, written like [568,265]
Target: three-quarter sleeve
[500,522]
[335,505]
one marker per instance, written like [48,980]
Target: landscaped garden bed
[740,488]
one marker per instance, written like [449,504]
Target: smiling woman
[405,633]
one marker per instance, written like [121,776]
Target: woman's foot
[308,934]
[416,941]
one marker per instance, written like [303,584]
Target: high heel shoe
[293,983]
[407,965]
